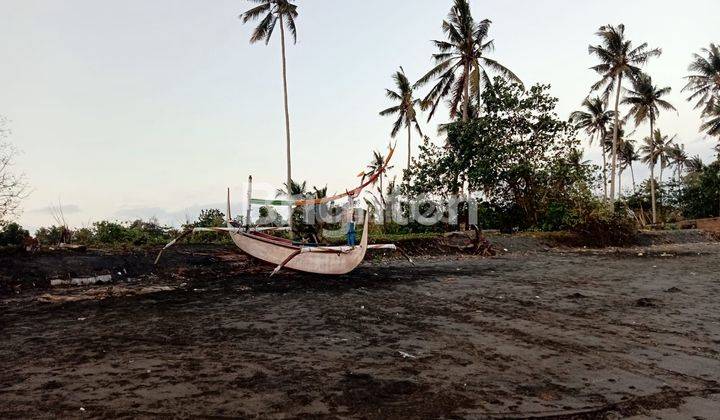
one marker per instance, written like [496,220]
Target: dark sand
[573,334]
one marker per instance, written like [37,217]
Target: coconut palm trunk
[616,126]
[409,144]
[632,176]
[466,92]
[287,118]
[604,168]
[652,172]
[660,180]
[382,203]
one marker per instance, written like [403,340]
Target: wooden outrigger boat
[310,258]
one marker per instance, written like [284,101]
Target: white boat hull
[321,262]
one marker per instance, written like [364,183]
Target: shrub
[603,226]
[209,218]
[110,232]
[52,235]
[83,236]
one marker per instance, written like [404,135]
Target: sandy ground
[557,334]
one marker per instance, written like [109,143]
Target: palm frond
[255,12]
[291,26]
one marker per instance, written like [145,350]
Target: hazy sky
[141,108]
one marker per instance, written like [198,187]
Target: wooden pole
[249,202]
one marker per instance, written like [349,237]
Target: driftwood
[73,247]
[479,246]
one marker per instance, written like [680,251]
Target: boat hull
[325,262]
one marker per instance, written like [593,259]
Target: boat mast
[249,203]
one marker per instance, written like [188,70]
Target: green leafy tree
[13,234]
[462,63]
[405,109]
[646,101]
[618,60]
[700,195]
[519,154]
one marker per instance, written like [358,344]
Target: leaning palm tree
[284,12]
[405,110]
[704,83]
[594,119]
[618,59]
[461,63]
[646,101]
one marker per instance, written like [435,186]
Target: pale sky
[136,108]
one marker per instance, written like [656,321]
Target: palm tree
[618,59]
[284,12]
[576,158]
[645,100]
[694,165]
[704,83]
[594,119]
[376,164]
[678,159]
[297,189]
[405,109]
[654,151]
[627,155]
[664,146]
[463,53]
[608,146]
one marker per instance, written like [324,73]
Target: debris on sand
[101,294]
[577,295]
[406,355]
[82,281]
[647,303]
[673,290]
